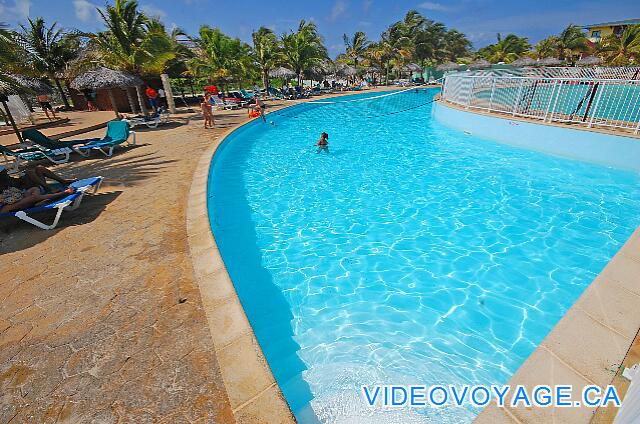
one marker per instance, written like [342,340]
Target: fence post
[555,101]
[493,89]
[553,92]
[515,105]
[473,82]
[595,105]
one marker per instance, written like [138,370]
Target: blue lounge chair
[118,132]
[58,155]
[69,202]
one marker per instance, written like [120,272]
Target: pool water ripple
[412,253]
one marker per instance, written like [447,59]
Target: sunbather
[35,177]
[14,199]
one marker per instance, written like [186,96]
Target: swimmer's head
[325,136]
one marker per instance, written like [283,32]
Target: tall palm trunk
[265,79]
[64,96]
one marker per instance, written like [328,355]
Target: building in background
[595,32]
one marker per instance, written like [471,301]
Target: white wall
[605,149]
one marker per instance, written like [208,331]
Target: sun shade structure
[346,71]
[589,61]
[550,61]
[480,64]
[19,84]
[449,66]
[524,61]
[105,78]
[281,73]
[412,67]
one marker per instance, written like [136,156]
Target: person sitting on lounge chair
[14,199]
[35,177]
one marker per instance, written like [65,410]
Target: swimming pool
[412,253]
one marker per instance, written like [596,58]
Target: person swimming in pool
[323,143]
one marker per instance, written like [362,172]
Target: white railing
[597,72]
[586,101]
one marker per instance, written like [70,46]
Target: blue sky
[479,19]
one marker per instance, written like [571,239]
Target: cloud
[364,24]
[153,11]
[85,10]
[437,7]
[366,5]
[17,11]
[338,10]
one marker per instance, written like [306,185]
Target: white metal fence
[596,72]
[585,101]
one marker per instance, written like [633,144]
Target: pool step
[286,367]
[297,392]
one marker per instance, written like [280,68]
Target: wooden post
[141,100]
[132,103]
[3,100]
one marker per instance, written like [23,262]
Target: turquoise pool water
[412,253]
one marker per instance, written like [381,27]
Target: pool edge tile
[227,321]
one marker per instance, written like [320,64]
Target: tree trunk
[64,96]
[141,100]
[113,102]
[132,102]
[265,80]
[168,92]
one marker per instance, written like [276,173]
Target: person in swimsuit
[45,104]
[259,107]
[207,111]
[35,177]
[14,198]
[323,143]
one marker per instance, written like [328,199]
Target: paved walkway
[100,320]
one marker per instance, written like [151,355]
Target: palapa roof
[480,63]
[281,72]
[18,84]
[550,61]
[524,61]
[589,61]
[449,66]
[105,78]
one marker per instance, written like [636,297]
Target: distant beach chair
[69,202]
[222,105]
[118,132]
[33,154]
[152,121]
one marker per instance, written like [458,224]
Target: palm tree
[570,43]
[10,55]
[624,49]
[355,46]
[49,50]
[546,47]
[132,42]
[304,48]
[220,58]
[456,45]
[266,51]
[507,49]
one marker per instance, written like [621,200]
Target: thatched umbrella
[480,64]
[28,85]
[449,66]
[550,61]
[346,71]
[523,61]
[108,79]
[281,73]
[589,61]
